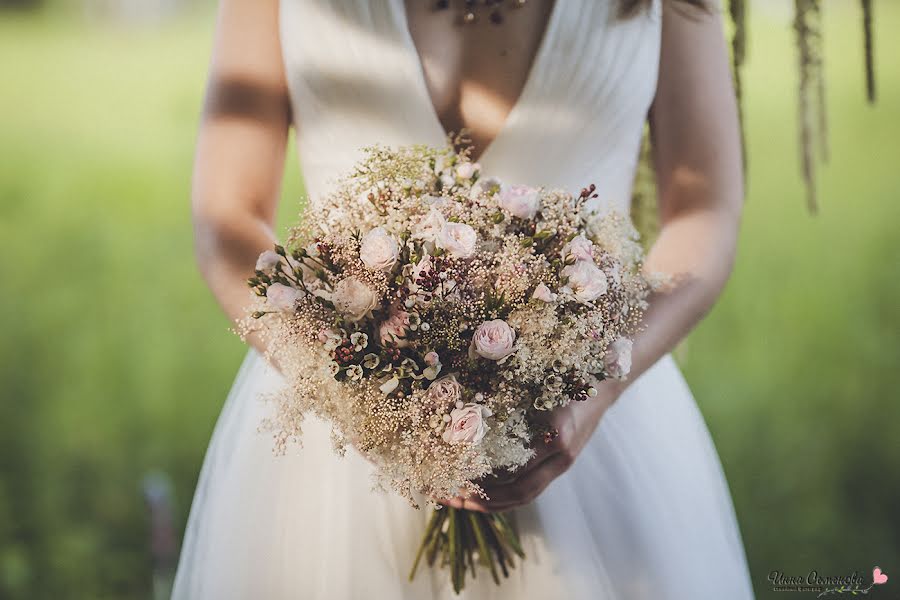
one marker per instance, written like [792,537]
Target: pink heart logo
[878,577]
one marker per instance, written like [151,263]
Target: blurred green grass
[115,360]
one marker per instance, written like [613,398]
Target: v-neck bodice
[546,37]
[356,80]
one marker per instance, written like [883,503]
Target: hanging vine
[810,94]
[869,50]
[737,10]
[812,115]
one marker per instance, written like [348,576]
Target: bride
[631,501]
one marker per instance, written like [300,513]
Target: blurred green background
[115,360]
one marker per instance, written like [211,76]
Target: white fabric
[644,513]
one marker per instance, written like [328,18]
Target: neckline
[511,116]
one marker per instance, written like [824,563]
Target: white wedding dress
[645,512]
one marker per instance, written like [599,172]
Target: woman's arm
[696,142]
[240,150]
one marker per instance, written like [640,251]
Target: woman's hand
[574,426]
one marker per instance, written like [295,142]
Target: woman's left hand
[574,425]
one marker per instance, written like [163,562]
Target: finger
[475,504]
[460,503]
[451,502]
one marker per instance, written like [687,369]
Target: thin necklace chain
[471,10]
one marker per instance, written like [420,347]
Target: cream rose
[578,248]
[494,340]
[617,360]
[282,297]
[457,239]
[586,281]
[467,424]
[378,250]
[520,200]
[430,226]
[353,298]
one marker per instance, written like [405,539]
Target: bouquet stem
[460,538]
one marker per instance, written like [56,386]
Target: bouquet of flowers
[430,314]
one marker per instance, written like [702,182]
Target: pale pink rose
[393,330]
[520,200]
[445,392]
[467,424]
[432,359]
[378,250]
[467,170]
[543,293]
[457,239]
[267,261]
[579,248]
[618,358]
[585,281]
[430,226]
[494,340]
[353,298]
[282,297]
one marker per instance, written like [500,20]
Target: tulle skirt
[645,512]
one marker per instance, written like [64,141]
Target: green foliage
[115,360]
[795,368]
